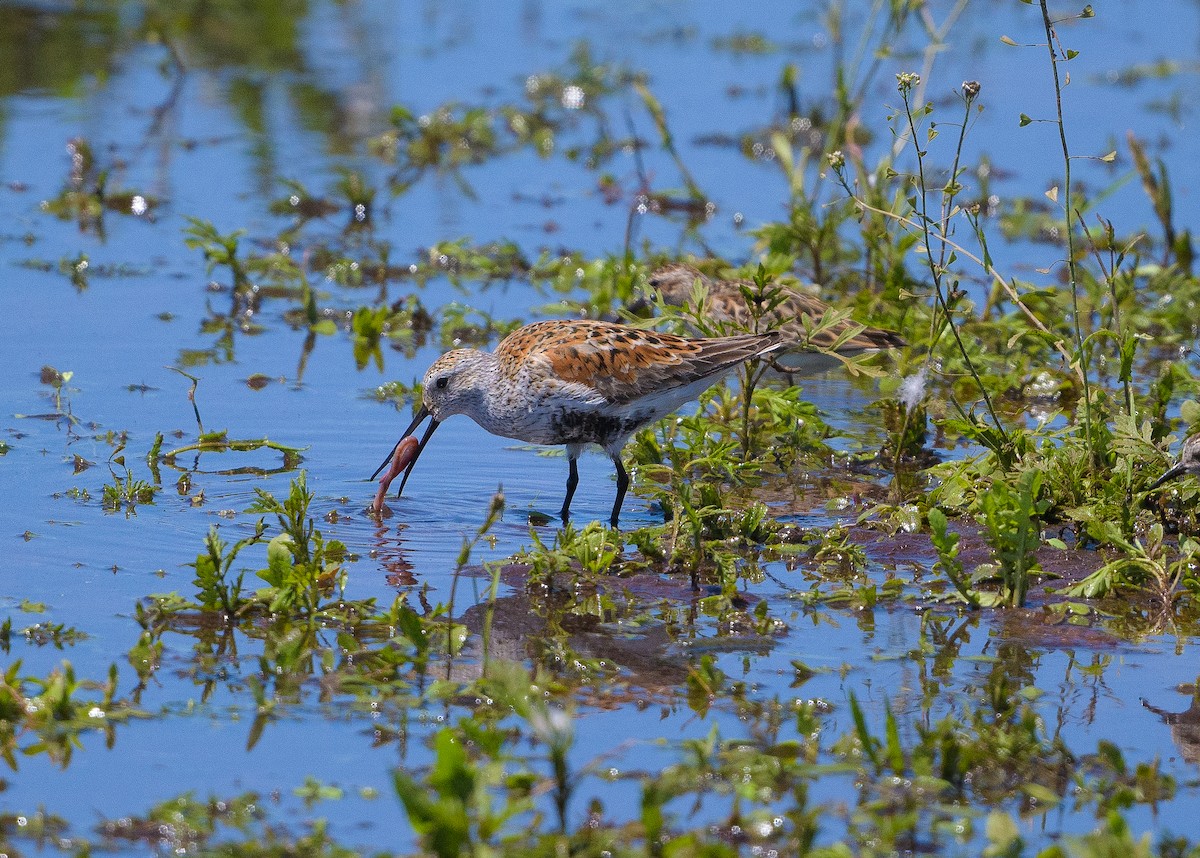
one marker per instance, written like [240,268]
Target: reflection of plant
[370,652]
[86,196]
[53,713]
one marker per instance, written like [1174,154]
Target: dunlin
[725,302]
[574,383]
[1189,462]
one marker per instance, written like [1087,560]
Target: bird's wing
[624,364]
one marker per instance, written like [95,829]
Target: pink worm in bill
[406,451]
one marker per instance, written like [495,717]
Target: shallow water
[213,141]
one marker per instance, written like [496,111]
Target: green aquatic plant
[938,255]
[1147,564]
[462,326]
[231,825]
[1012,519]
[76,269]
[220,442]
[1082,357]
[58,634]
[127,492]
[219,249]
[659,116]
[305,625]
[1176,244]
[368,325]
[945,542]
[442,141]
[966,757]
[591,551]
[463,259]
[300,203]
[302,567]
[405,324]
[217,587]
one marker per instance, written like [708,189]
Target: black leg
[572,482]
[622,485]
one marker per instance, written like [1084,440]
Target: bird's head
[452,383]
[676,283]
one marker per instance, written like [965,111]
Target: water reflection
[1185,725]
[390,549]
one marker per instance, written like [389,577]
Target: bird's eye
[441,383]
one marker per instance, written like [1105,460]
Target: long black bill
[434,424]
[1177,471]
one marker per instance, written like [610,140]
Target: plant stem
[936,272]
[1081,355]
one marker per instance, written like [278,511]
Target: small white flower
[572,97]
[912,389]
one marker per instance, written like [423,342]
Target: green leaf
[864,734]
[1042,795]
[895,752]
